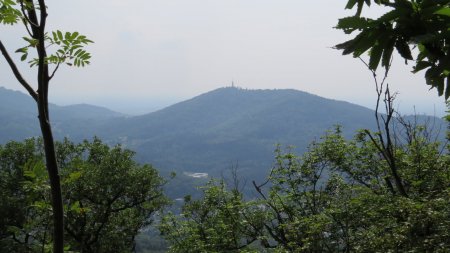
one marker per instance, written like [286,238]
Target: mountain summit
[220,128]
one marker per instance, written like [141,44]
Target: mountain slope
[18,117]
[215,130]
[208,133]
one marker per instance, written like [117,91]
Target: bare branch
[54,71]
[386,147]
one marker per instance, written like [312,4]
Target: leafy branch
[424,25]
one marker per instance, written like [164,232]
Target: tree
[221,221]
[296,203]
[17,199]
[68,49]
[423,24]
[383,191]
[108,197]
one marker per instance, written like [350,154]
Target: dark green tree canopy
[418,30]
[108,197]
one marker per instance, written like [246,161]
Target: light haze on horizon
[151,53]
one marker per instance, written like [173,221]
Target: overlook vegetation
[340,196]
[386,189]
[108,198]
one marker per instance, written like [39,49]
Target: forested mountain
[209,133]
[229,126]
[206,135]
[18,117]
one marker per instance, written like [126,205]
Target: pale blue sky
[155,52]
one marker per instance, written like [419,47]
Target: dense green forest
[359,195]
[339,196]
[386,189]
[107,197]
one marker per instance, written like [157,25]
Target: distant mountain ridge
[206,134]
[18,117]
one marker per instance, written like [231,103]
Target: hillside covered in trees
[359,181]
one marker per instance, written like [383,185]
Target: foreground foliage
[406,25]
[340,196]
[219,222]
[108,198]
[44,50]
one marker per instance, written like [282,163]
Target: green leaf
[55,36]
[74,35]
[366,41]
[75,207]
[60,35]
[421,65]
[360,7]
[42,205]
[350,4]
[78,52]
[375,56]
[9,2]
[349,24]
[22,50]
[389,16]
[387,53]
[403,49]
[432,76]
[445,11]
[75,176]
[29,174]
[67,36]
[361,43]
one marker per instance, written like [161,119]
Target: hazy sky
[155,52]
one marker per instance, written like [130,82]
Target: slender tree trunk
[41,98]
[55,184]
[44,121]
[33,14]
